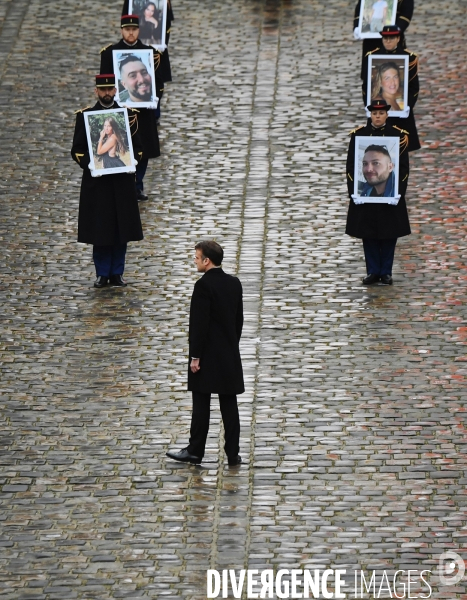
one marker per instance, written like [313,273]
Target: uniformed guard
[379,225]
[404,13]
[165,71]
[147,117]
[391,44]
[108,209]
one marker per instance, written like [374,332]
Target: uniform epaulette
[81,110]
[104,48]
[401,130]
[356,129]
[134,109]
[372,52]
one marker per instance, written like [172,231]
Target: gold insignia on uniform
[356,129]
[79,156]
[349,176]
[405,19]
[157,59]
[133,121]
[81,110]
[401,130]
[404,139]
[104,48]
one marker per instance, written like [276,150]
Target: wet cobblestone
[353,421]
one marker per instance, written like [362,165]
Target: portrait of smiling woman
[386,84]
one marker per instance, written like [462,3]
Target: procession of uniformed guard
[379,225]
[109,211]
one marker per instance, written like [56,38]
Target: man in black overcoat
[108,209]
[147,118]
[404,13]
[215,367]
[378,225]
[390,44]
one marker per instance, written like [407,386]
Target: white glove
[356,33]
[358,200]
[406,112]
[394,201]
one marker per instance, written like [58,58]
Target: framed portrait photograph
[376,177]
[152,21]
[388,79]
[135,80]
[109,141]
[374,15]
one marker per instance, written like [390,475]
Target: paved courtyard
[354,418]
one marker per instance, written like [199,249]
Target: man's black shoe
[236,460]
[386,279]
[117,281]
[140,196]
[101,281]
[370,278]
[185,456]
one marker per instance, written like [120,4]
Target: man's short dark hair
[376,148]
[211,250]
[128,59]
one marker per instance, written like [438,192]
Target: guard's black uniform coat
[407,123]
[378,221]
[147,122]
[216,321]
[108,208]
[164,71]
[404,15]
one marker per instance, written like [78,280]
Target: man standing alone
[216,321]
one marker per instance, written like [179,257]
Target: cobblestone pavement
[353,422]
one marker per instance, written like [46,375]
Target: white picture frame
[369,25]
[368,151]
[119,157]
[383,72]
[134,78]
[149,33]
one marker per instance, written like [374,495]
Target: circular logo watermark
[451,568]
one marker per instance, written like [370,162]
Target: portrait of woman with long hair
[111,144]
[150,25]
[386,84]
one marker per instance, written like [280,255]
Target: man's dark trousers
[140,173]
[379,256]
[109,260]
[200,423]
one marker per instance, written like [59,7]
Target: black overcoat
[404,13]
[407,123]
[164,71]
[147,121]
[378,221]
[216,322]
[108,208]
